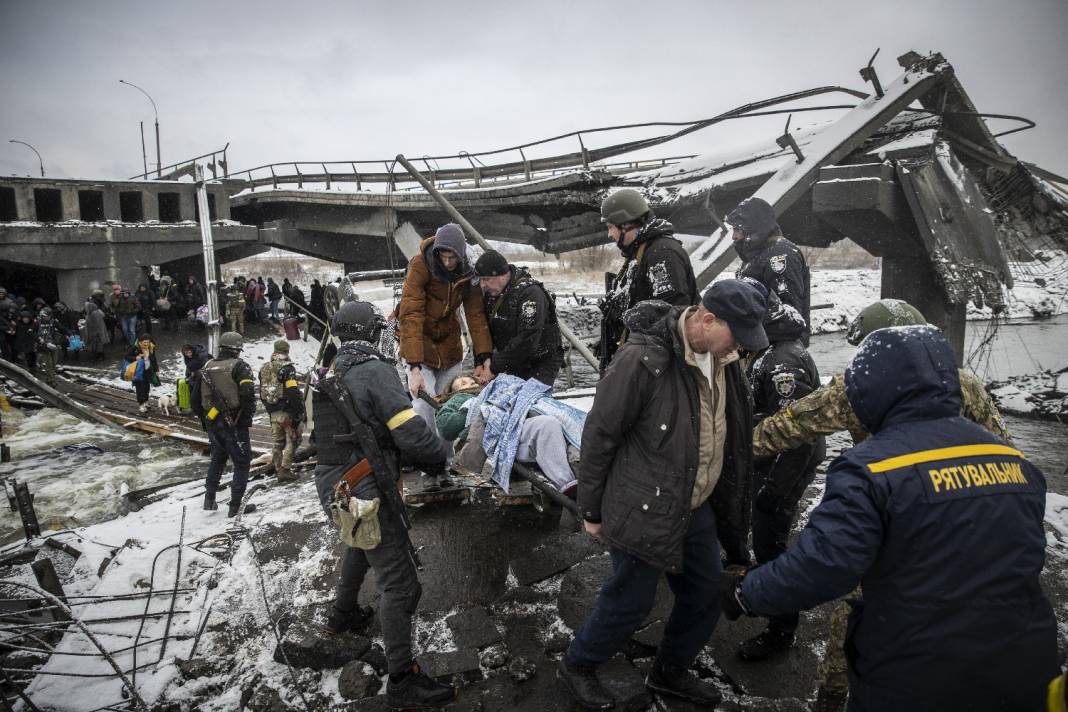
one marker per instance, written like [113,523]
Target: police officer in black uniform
[362,412]
[770,258]
[779,375]
[522,321]
[224,398]
[655,265]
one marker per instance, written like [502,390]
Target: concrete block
[558,553]
[462,664]
[473,628]
[306,647]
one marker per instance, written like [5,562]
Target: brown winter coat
[429,324]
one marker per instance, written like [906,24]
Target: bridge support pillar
[912,279]
[75,285]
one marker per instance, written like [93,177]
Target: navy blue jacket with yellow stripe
[941,523]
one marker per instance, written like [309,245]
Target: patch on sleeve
[785,385]
[659,279]
[529,311]
[778,263]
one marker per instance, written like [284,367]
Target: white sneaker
[143,408]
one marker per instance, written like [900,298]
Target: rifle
[217,404]
[362,433]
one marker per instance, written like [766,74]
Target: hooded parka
[429,323]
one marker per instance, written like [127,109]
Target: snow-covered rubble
[1040,395]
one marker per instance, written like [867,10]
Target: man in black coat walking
[665,466]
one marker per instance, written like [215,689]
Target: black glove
[730,593]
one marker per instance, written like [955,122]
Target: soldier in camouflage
[827,410]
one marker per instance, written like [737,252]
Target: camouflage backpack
[271,389]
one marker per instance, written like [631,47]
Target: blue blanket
[504,404]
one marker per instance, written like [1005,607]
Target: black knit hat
[491,264]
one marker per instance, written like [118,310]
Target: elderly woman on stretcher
[511,420]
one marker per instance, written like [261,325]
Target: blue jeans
[274,309]
[628,596]
[229,444]
[129,328]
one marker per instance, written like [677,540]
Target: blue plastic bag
[139,373]
[74,343]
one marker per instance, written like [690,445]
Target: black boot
[209,501]
[235,506]
[582,683]
[679,682]
[770,642]
[413,689]
[343,621]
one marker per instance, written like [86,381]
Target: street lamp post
[159,163]
[32,149]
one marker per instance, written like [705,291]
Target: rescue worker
[665,466]
[655,265]
[941,523]
[437,284]
[770,258]
[779,375]
[235,309]
[522,322]
[374,397]
[827,410]
[224,397]
[284,401]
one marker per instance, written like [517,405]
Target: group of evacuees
[705,431]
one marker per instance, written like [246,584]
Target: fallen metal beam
[455,214]
[828,147]
[50,395]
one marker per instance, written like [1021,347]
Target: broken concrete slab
[473,628]
[358,680]
[458,665]
[304,646]
[559,552]
[195,668]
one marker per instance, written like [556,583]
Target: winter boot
[143,408]
[769,642]
[235,507]
[582,684]
[285,475]
[209,501]
[413,689]
[343,621]
[664,679]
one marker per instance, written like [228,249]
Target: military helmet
[881,315]
[231,340]
[357,321]
[624,206]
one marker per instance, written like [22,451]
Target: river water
[77,487]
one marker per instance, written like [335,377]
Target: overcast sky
[284,81]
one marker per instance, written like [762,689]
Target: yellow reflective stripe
[944,453]
[400,418]
[244,380]
[291,383]
[1055,695]
[213,413]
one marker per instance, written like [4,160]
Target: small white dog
[167,402]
